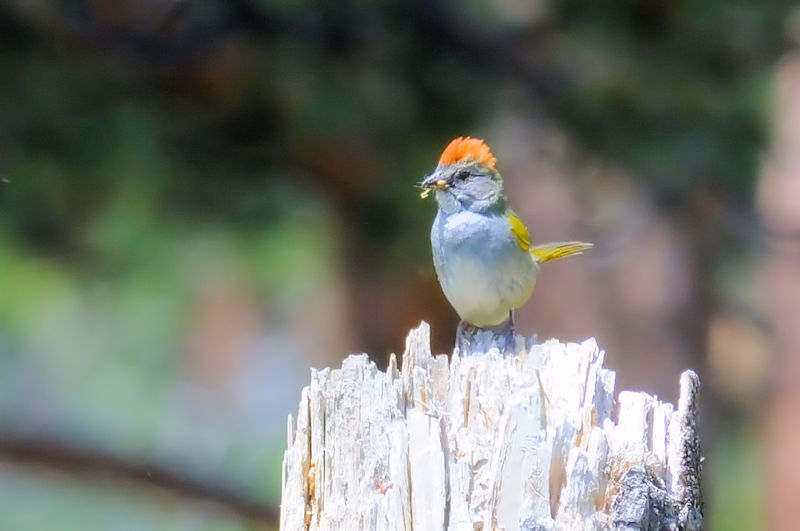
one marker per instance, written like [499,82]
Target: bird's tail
[555,250]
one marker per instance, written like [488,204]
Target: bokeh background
[199,200]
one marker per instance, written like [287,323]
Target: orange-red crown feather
[468,148]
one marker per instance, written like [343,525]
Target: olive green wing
[546,251]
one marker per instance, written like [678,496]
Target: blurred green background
[201,200]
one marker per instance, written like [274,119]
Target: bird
[482,251]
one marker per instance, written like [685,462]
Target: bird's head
[466,178]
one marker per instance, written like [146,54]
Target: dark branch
[74,459]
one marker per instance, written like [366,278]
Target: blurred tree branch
[73,459]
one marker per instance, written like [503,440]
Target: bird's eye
[463,175]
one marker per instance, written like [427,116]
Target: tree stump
[487,441]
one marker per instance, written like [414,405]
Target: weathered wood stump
[489,442]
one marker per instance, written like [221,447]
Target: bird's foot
[471,339]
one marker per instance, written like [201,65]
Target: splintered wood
[489,442]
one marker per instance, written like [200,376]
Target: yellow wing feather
[520,231]
[546,251]
[555,250]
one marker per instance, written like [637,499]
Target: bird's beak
[431,183]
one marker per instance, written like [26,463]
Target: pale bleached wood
[489,441]
[684,459]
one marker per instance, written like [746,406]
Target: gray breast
[483,271]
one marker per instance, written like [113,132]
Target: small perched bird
[482,252]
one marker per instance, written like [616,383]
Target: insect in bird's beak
[429,185]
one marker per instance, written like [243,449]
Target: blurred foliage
[146,147]
[237,102]
[738,467]
[684,94]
